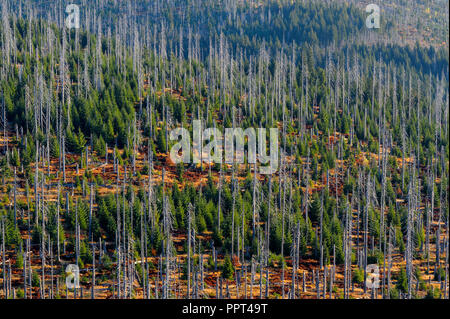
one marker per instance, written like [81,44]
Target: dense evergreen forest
[86,177]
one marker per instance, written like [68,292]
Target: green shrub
[227,268]
[358,276]
[35,280]
[20,294]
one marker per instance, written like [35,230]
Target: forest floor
[197,176]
